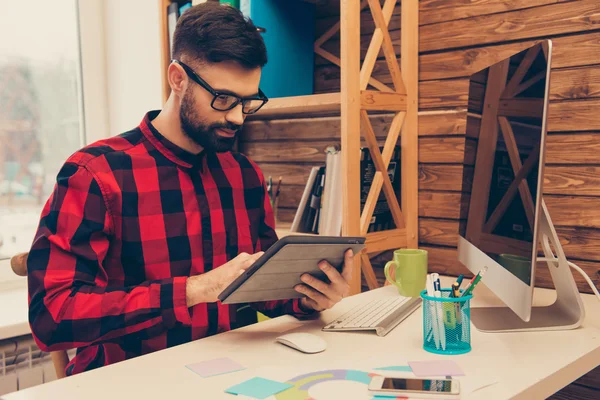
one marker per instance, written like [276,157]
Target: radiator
[24,365]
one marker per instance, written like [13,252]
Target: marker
[460,279]
[475,281]
[455,294]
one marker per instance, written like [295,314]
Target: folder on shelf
[297,223]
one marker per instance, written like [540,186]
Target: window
[41,110]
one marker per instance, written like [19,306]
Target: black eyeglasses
[226,101]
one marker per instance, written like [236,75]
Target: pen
[432,313]
[440,316]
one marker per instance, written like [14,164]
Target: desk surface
[500,366]
[13,303]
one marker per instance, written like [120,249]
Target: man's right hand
[206,288]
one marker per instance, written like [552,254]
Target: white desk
[13,303]
[523,365]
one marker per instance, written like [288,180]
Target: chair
[60,359]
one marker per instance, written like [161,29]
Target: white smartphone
[418,388]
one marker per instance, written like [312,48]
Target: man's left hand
[322,296]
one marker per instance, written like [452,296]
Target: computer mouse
[304,342]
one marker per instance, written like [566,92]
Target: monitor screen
[502,170]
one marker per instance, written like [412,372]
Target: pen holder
[446,323]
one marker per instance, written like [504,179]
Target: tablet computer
[274,275]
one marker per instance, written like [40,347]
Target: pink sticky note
[217,366]
[435,368]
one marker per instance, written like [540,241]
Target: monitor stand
[567,312]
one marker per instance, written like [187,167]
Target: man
[144,230]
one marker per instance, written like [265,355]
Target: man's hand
[322,296]
[206,288]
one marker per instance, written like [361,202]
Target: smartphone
[419,388]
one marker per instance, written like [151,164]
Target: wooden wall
[458,38]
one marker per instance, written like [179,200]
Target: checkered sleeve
[267,238]
[71,303]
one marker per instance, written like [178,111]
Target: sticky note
[402,368]
[259,388]
[217,366]
[435,368]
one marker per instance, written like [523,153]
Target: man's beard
[203,134]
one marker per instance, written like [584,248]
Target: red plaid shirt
[130,218]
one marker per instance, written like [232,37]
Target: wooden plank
[388,49]
[165,51]
[541,21]
[579,83]
[381,160]
[444,177]
[444,261]
[449,122]
[450,150]
[374,46]
[576,115]
[433,11]
[332,58]
[579,148]
[568,51]
[431,123]
[386,240]
[432,150]
[372,100]
[577,50]
[292,174]
[575,83]
[300,105]
[410,136]
[368,272]
[432,94]
[350,126]
[573,210]
[449,205]
[572,180]
[582,243]
[543,278]
[442,232]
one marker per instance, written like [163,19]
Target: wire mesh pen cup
[446,323]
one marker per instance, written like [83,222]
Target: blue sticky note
[258,388]
[402,368]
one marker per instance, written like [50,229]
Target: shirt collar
[167,148]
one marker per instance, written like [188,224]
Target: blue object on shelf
[289,36]
[184,7]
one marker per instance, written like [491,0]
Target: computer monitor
[502,195]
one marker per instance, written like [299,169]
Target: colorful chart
[303,383]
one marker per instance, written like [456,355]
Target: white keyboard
[380,315]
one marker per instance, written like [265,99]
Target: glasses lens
[252,106]
[224,102]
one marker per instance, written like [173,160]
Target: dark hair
[210,32]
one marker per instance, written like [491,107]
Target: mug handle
[386,271]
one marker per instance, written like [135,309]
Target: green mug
[410,271]
[519,266]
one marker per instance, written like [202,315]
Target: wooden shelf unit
[359,95]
